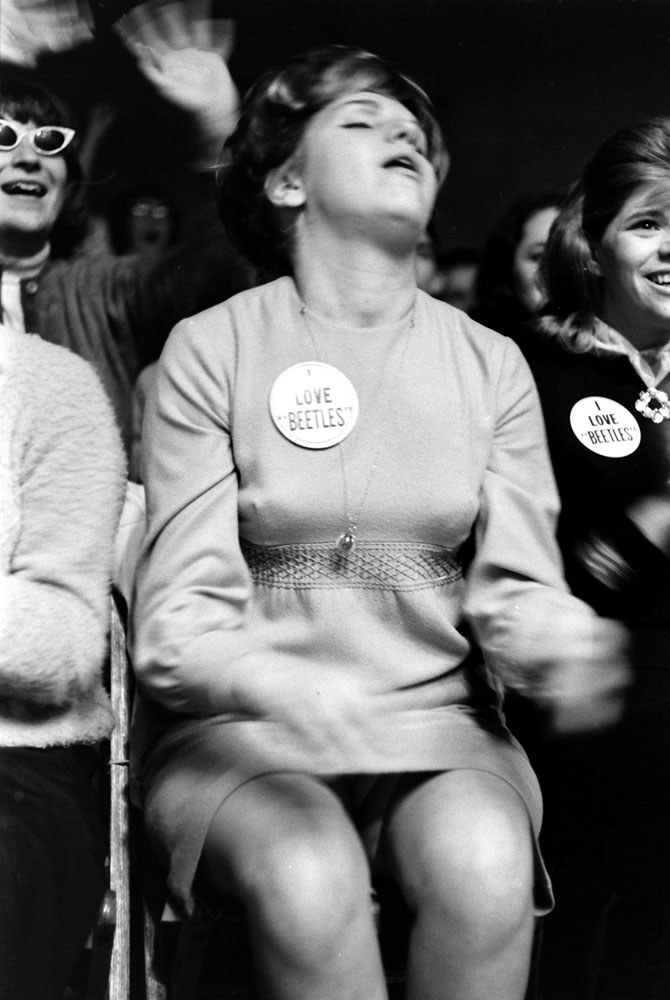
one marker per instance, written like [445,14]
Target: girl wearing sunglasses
[62,475]
[113,311]
[42,204]
[49,140]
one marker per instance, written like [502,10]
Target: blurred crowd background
[525,89]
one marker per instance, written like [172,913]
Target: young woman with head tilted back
[601,359]
[347,484]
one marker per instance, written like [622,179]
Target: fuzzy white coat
[61,487]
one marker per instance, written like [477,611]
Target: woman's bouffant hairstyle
[631,157]
[497,303]
[273,118]
[26,101]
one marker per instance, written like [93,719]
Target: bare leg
[285,846]
[460,847]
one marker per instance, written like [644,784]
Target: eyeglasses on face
[142,209]
[47,140]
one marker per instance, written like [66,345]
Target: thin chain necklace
[346,540]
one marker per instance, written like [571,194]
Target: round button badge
[314,405]
[605,427]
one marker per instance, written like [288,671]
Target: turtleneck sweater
[13,271]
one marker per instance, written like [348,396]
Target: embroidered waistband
[371,565]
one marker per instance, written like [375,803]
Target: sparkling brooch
[654,404]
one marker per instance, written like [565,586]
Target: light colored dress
[447,474]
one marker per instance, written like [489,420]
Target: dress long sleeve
[519,606]
[193,583]
[244,607]
[239,572]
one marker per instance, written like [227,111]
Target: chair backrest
[109,962]
[129,851]
[119,851]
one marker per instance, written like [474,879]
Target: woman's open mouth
[32,189]
[402,162]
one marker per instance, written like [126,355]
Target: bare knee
[310,884]
[302,878]
[474,869]
[488,876]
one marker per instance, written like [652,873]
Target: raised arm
[29,28]
[183,52]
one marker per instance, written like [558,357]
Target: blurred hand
[334,715]
[31,27]
[183,53]
[585,697]
[587,692]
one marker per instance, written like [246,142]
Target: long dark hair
[273,119]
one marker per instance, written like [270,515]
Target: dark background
[525,89]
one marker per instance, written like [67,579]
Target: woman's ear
[283,187]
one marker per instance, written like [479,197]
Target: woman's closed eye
[413,134]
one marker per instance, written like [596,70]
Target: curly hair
[26,101]
[631,157]
[274,115]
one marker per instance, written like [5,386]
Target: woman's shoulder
[468,338]
[551,355]
[239,317]
[59,383]
[58,365]
[269,297]
[36,359]
[455,319]
[87,272]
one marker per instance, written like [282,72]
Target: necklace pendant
[346,542]
[654,404]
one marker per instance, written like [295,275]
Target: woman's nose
[407,130]
[24,152]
